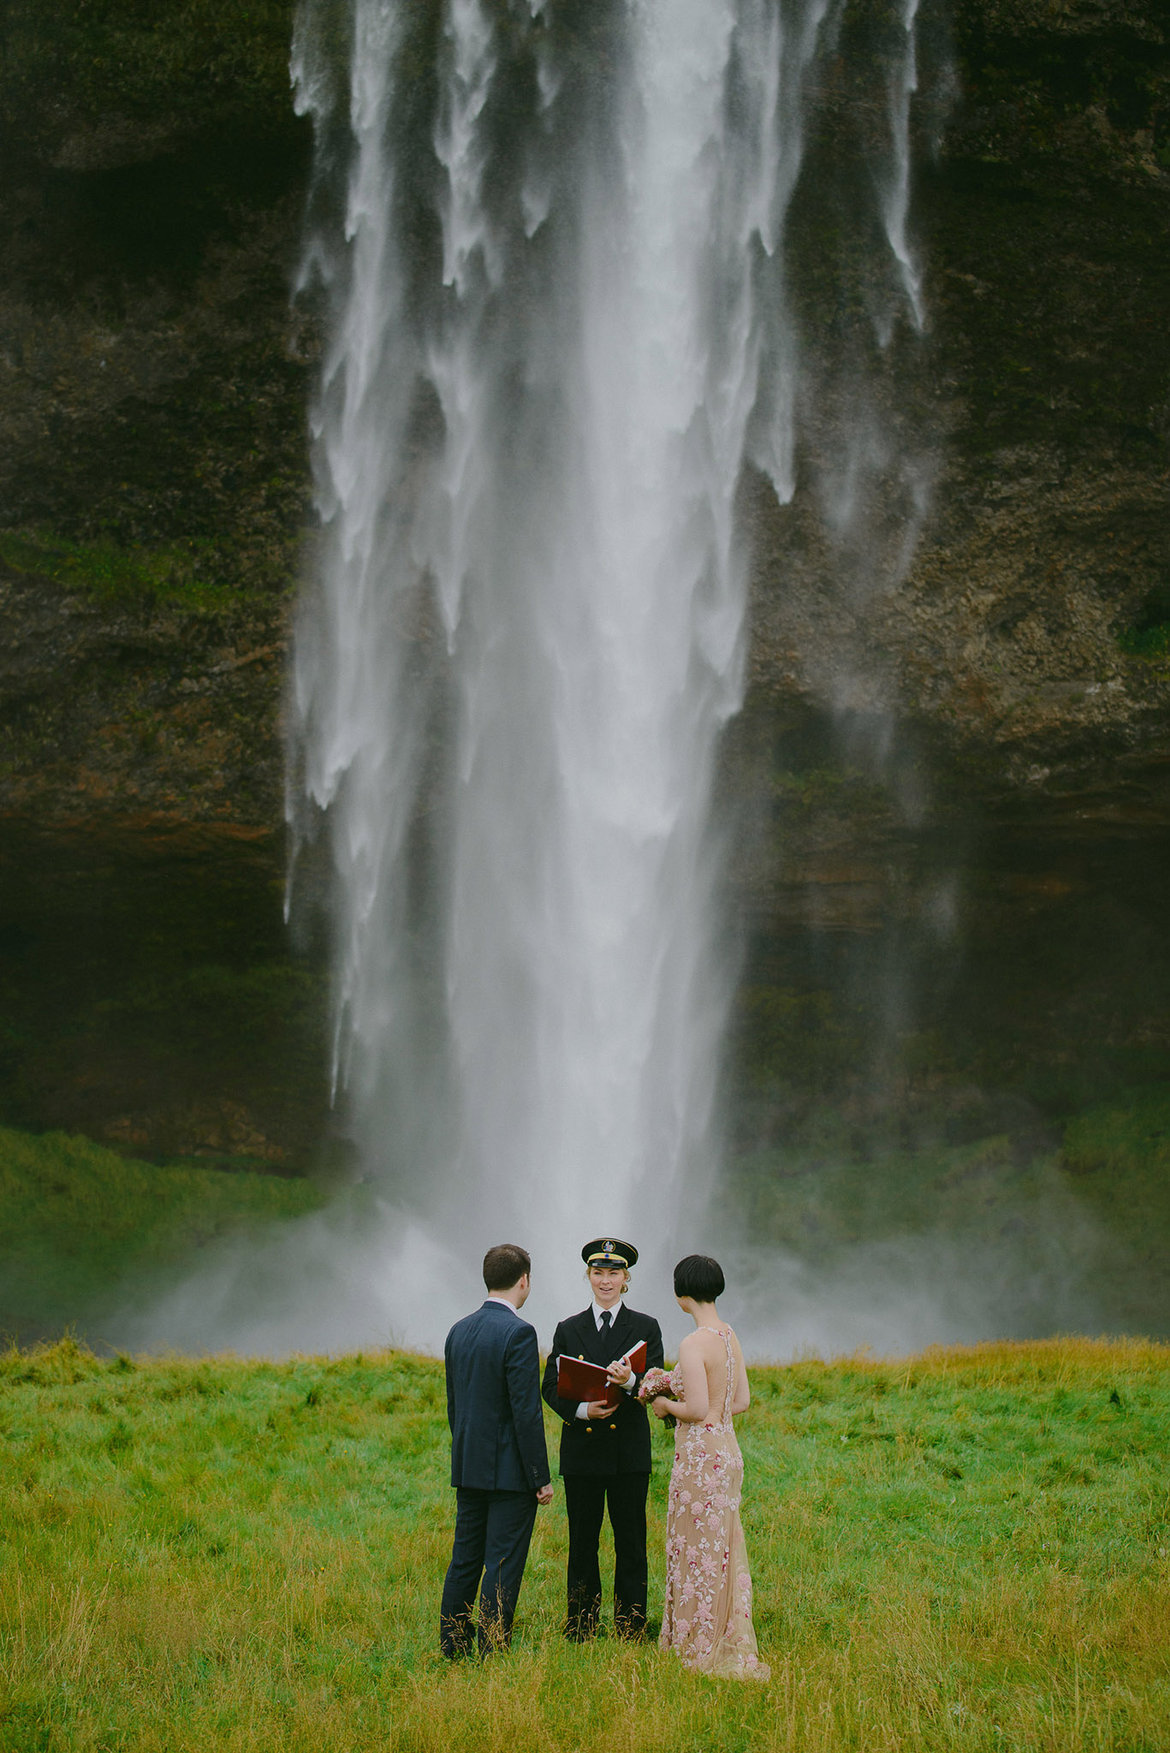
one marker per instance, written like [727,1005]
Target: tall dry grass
[963,1550]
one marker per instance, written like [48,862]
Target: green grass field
[964,1550]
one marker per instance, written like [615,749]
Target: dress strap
[727,1392]
[724,1333]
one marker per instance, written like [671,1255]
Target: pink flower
[654,1383]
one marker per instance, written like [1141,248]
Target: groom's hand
[545,1494]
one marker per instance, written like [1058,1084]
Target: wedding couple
[499,1463]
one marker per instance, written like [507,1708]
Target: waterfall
[559,325]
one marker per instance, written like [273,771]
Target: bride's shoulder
[699,1340]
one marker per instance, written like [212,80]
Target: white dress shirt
[597,1312]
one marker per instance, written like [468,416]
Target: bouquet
[654,1383]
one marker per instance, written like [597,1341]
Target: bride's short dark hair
[700,1277]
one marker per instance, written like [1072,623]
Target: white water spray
[560,322]
[903,83]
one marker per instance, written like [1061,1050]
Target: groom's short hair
[505,1266]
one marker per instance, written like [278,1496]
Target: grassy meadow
[966,1550]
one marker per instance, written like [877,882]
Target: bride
[707,1615]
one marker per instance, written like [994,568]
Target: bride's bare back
[703,1360]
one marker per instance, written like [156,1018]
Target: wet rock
[153,382]
[139,710]
[223,1130]
[994,702]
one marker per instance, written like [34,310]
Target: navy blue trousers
[492,1534]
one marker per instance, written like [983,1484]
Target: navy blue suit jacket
[493,1402]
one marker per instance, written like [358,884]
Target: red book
[636,1357]
[579,1380]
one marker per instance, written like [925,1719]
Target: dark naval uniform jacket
[620,1442]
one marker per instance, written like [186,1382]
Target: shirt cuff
[583,1409]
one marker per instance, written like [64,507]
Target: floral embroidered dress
[707,1617]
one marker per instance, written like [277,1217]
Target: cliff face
[154,493]
[1027,642]
[153,382]
[152,408]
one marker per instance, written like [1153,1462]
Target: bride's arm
[694,1407]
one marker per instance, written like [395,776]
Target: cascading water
[560,325]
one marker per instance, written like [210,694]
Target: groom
[499,1463]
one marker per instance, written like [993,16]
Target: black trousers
[492,1533]
[586,1499]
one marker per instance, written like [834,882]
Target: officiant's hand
[598,1409]
[620,1372]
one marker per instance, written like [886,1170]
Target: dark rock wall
[153,495]
[153,381]
[1024,638]
[153,474]
[1010,684]
[1047,226]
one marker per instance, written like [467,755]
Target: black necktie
[606,1318]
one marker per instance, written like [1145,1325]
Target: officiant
[605,1449]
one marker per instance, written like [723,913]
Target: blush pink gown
[707,1617]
